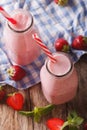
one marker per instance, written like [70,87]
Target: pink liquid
[61,67]
[23,20]
[59,80]
[19,44]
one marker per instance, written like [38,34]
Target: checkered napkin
[53,22]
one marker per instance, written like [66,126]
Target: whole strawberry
[80,43]
[16,72]
[61,2]
[2,94]
[61,45]
[15,101]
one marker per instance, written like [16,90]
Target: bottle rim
[22,31]
[71,67]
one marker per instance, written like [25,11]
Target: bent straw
[44,47]
[7,16]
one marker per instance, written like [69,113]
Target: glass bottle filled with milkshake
[19,44]
[59,80]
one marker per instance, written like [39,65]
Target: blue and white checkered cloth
[53,22]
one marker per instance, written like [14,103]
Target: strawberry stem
[11,94]
[62,2]
[0,87]
[66,48]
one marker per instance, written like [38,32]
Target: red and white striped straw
[43,47]
[7,16]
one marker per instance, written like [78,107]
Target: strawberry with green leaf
[73,122]
[61,45]
[16,72]
[2,93]
[79,43]
[61,2]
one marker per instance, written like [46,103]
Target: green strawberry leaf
[66,48]
[85,40]
[62,2]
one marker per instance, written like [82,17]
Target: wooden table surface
[12,120]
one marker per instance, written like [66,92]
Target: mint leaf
[45,110]
[72,115]
[78,121]
[73,121]
[38,112]
[73,128]
[27,113]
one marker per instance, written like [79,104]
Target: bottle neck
[68,71]
[22,31]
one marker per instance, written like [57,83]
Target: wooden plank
[79,103]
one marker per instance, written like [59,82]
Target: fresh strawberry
[61,2]
[80,43]
[15,101]
[16,72]
[2,94]
[55,123]
[56,1]
[61,45]
[73,122]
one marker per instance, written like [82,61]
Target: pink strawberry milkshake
[59,80]
[19,44]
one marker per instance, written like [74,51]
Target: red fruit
[61,2]
[2,93]
[15,101]
[56,1]
[85,126]
[16,72]
[79,43]
[61,45]
[55,123]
